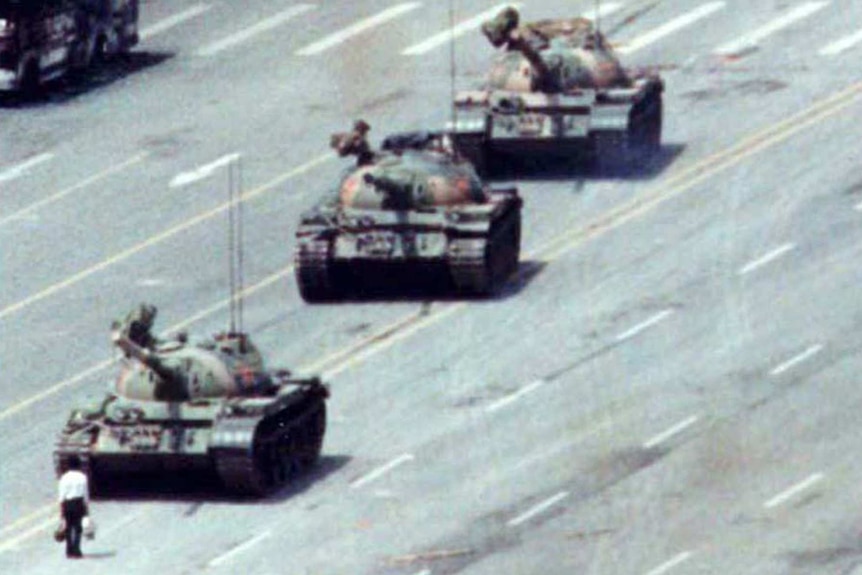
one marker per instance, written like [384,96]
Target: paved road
[667,387]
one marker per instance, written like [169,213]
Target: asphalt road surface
[669,386]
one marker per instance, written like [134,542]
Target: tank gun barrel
[398,194]
[171,384]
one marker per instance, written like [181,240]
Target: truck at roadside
[42,40]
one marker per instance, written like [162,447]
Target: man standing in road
[74,495]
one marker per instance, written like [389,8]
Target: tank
[412,209]
[211,406]
[558,89]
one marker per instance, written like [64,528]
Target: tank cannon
[557,89]
[413,211]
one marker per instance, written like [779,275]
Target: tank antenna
[231,245]
[240,243]
[235,241]
[598,15]
[454,109]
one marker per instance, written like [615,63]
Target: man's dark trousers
[74,511]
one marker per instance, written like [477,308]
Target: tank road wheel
[468,266]
[311,434]
[645,128]
[312,271]
[480,266]
[611,150]
[31,80]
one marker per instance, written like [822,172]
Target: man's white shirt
[73,484]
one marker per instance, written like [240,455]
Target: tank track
[479,265]
[475,150]
[625,150]
[282,447]
[312,271]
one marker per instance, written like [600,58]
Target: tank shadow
[81,83]
[199,486]
[544,168]
[418,289]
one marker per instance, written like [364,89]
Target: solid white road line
[202,172]
[766,258]
[605,9]
[668,565]
[13,542]
[790,492]
[458,30]
[537,509]
[162,236]
[674,25]
[503,402]
[660,316]
[238,549]
[752,39]
[381,471]
[858,207]
[15,172]
[357,28]
[247,34]
[842,44]
[797,359]
[174,21]
[670,432]
[20,214]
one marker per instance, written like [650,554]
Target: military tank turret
[412,209]
[211,405]
[558,89]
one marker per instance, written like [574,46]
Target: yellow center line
[161,237]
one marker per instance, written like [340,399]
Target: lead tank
[410,210]
[212,405]
[558,88]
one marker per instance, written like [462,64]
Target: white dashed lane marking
[538,509]
[795,490]
[668,565]
[359,27]
[644,325]
[223,558]
[382,470]
[752,39]
[603,10]
[842,44]
[674,25]
[670,432]
[457,31]
[174,21]
[766,258]
[249,33]
[797,359]
[15,172]
[511,398]
[202,172]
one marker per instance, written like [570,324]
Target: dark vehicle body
[41,40]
